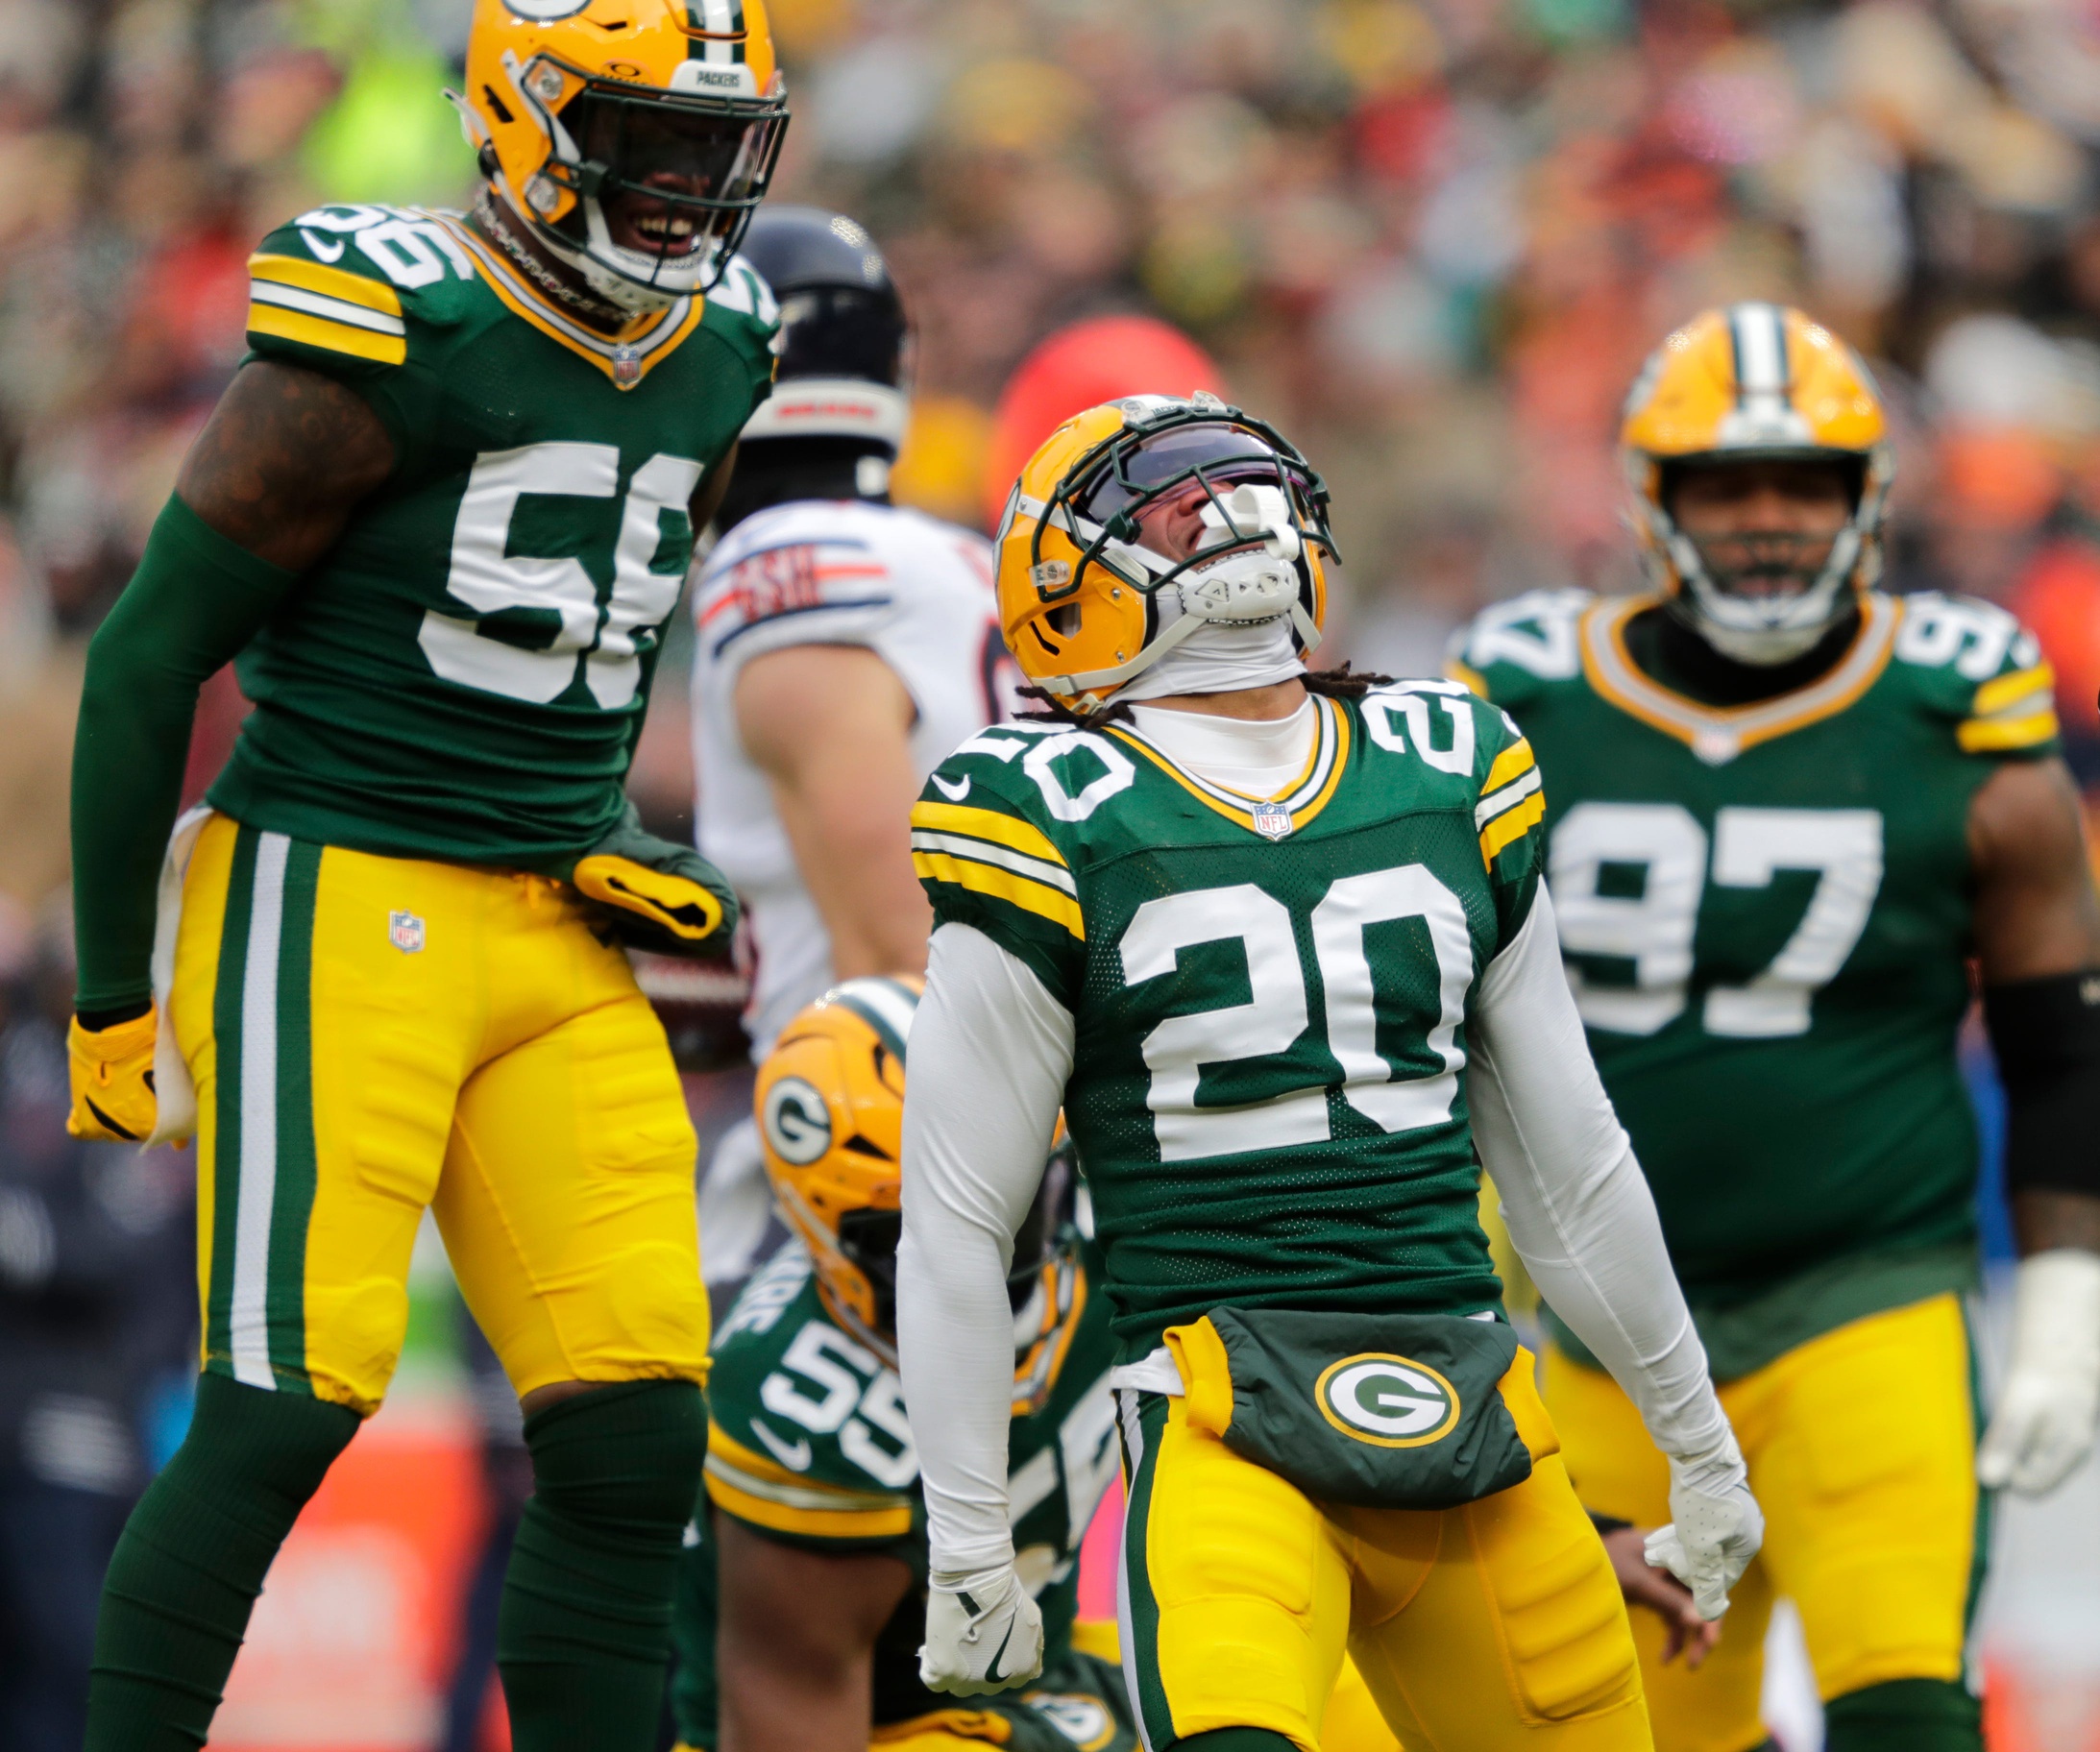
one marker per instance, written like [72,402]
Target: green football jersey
[1765,912]
[1271,997]
[808,1444]
[463,674]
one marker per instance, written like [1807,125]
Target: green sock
[1904,1716]
[583,1635]
[187,1571]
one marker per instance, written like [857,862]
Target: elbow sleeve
[2047,1036]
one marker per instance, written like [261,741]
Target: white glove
[983,1633]
[1715,1526]
[2044,1425]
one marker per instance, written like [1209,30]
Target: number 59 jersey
[462,675]
[1271,997]
[1764,912]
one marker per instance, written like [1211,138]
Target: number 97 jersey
[1765,912]
[463,673]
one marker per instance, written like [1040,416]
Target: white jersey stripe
[983,852]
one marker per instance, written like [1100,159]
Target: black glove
[657,896]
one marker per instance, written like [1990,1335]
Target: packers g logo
[1082,1719]
[797,1121]
[1386,1401]
[546,11]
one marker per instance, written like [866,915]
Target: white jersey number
[1654,929]
[1277,1013]
[538,660]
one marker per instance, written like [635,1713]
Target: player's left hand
[983,1634]
[2044,1425]
[1714,1528]
[655,895]
[1663,1595]
[112,1073]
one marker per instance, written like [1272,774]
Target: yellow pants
[1861,1448]
[373,1035]
[1491,1626]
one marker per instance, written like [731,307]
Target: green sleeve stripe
[939,868]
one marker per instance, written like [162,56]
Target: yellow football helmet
[830,1106]
[572,103]
[1087,607]
[1756,382]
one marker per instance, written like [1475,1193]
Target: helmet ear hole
[1065,621]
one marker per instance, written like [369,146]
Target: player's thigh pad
[1233,1595]
[1497,1625]
[1868,1480]
[1618,1471]
[323,1001]
[567,1201]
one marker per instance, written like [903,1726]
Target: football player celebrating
[1248,925]
[814,1564]
[440,517]
[1785,809]
[844,645]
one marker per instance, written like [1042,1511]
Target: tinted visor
[1218,453]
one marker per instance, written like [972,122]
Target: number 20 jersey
[1764,912]
[1271,998]
[463,674]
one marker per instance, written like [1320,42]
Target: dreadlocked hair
[1343,683]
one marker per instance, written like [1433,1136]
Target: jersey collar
[1718,734]
[626,359]
[1303,798]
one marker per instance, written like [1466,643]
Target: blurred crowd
[1430,238]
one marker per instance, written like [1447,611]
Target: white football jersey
[914,591]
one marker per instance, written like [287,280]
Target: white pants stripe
[249,1325]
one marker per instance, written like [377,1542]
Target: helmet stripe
[1759,333]
[886,1004]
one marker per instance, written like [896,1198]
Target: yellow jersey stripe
[1994,735]
[2008,691]
[308,330]
[819,1523]
[1467,675]
[1506,798]
[330,282]
[316,304]
[1515,758]
[1018,891]
[1512,824]
[985,824]
[1056,875]
[760,1476]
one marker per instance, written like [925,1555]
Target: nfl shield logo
[626,365]
[405,931]
[1272,821]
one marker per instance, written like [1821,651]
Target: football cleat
[1087,607]
[830,1108]
[634,138]
[1755,383]
[112,1073]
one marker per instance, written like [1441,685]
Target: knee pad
[622,1458]
[1904,1716]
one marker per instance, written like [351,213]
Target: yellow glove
[112,1081]
[657,896]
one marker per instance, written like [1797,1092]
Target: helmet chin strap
[1746,632]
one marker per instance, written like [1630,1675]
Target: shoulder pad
[1976,665]
[742,289]
[1513,647]
[343,284]
[1447,727]
[792,574]
[992,816]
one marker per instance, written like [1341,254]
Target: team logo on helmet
[546,11]
[1082,1719]
[1387,1400]
[797,1121]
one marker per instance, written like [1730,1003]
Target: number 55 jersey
[1764,912]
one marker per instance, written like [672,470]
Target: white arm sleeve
[1578,1209]
[991,1052]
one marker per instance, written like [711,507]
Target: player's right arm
[830,726]
[795,1659]
[286,457]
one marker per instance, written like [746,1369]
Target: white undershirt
[1257,757]
[991,1051]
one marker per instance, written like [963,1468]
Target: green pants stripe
[1141,1419]
[263,1158]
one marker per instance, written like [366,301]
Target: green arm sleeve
[195,600]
